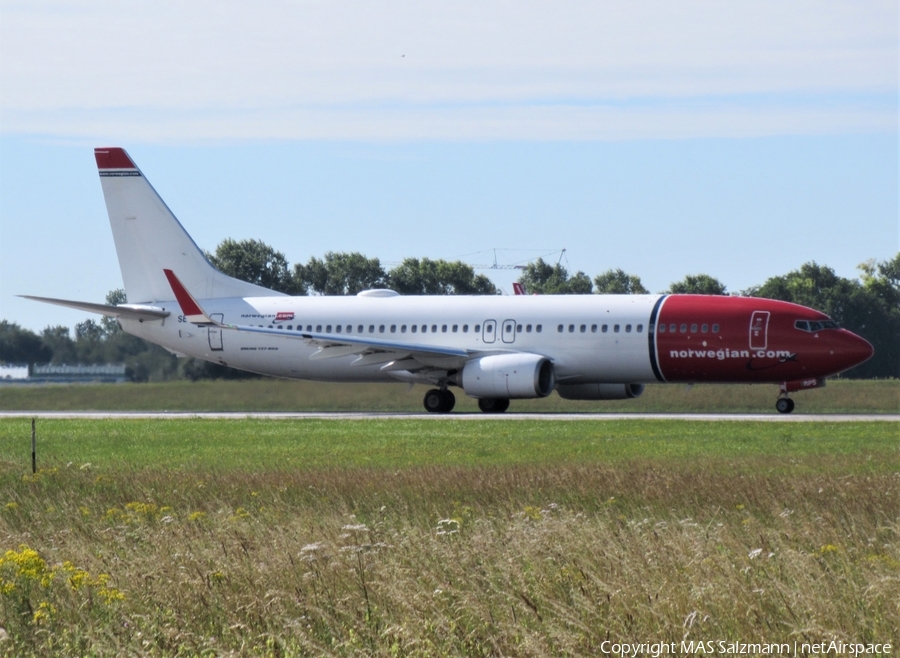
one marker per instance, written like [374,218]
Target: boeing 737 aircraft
[494,348]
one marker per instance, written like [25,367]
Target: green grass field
[452,538]
[839,396]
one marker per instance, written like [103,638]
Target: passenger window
[477,328]
[662,328]
[414,328]
[593,328]
[371,328]
[434,328]
[393,328]
[281,326]
[466,329]
[290,327]
[627,328]
[402,328]
[328,329]
[684,328]
[424,328]
[539,328]
[616,328]
[583,328]
[349,328]
[693,328]
[338,329]
[455,328]
[604,328]
[640,328]
[673,328]
[519,328]
[443,329]
[715,328]
[309,328]
[571,328]
[559,328]
[527,328]
[704,328]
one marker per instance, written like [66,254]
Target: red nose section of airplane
[851,350]
[745,339]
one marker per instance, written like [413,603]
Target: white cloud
[474,69]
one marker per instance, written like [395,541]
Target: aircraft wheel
[439,402]
[449,401]
[784,405]
[493,405]
[434,401]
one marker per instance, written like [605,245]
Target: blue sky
[736,139]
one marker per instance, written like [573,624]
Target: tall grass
[503,557]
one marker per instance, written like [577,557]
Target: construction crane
[513,266]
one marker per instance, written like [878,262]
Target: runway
[360,415]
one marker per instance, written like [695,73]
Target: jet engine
[600,391]
[509,376]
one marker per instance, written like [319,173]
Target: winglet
[186,301]
[518,288]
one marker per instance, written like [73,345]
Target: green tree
[698,284]
[341,274]
[21,346]
[60,343]
[542,278]
[438,277]
[256,262]
[618,282]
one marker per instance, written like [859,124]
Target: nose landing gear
[439,401]
[784,405]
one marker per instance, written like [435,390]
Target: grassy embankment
[839,396]
[454,538]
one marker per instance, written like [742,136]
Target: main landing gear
[493,405]
[439,401]
[784,405]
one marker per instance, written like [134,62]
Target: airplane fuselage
[589,338]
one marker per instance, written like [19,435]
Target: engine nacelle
[600,391]
[509,376]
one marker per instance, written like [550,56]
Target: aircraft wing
[128,311]
[395,355]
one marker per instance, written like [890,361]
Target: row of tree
[346,274]
[868,306]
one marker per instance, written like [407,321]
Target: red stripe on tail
[113,158]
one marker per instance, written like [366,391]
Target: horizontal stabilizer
[133,312]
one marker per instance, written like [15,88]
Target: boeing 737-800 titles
[494,348]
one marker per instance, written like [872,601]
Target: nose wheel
[784,405]
[439,402]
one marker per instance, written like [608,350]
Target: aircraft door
[215,333]
[508,333]
[759,329]
[489,331]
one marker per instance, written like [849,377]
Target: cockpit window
[815,325]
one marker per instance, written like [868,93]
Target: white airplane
[494,348]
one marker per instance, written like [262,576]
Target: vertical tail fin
[149,239]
